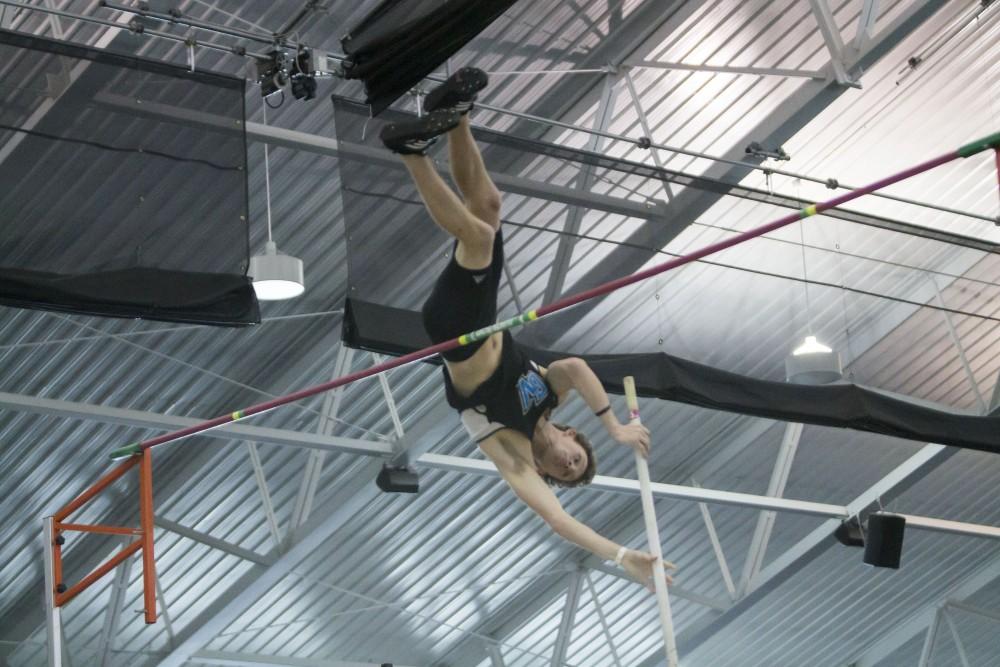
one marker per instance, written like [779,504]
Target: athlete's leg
[471,177]
[474,235]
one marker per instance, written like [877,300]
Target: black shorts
[463,301]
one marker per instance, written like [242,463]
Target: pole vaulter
[990,142]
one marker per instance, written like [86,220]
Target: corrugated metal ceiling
[435,579]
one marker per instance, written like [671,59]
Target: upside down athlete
[504,398]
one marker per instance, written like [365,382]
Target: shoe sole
[396,135]
[464,83]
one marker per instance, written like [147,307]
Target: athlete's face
[564,458]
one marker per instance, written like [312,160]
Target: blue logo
[532,390]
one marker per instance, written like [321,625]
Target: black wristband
[602,410]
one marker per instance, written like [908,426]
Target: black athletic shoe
[414,137]
[458,92]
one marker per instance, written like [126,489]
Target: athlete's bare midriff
[467,375]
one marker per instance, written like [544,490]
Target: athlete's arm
[510,457]
[572,373]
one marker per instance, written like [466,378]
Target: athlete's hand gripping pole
[652,533]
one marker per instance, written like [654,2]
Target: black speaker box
[884,540]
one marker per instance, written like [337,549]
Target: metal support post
[955,636]
[496,656]
[314,465]
[383,380]
[167,623]
[604,621]
[652,534]
[988,614]
[569,614]
[720,556]
[866,26]
[213,542]
[930,639]
[983,409]
[715,604]
[53,616]
[765,520]
[728,69]
[146,521]
[265,495]
[114,612]
[646,131]
[326,427]
[564,251]
[54,21]
[834,43]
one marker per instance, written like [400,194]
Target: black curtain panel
[398,331]
[401,41]
[103,198]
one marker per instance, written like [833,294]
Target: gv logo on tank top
[532,390]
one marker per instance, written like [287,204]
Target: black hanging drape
[111,203]
[401,41]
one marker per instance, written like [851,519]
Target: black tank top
[515,396]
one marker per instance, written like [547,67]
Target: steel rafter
[811,98]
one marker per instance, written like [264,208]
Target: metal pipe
[63,598]
[726,69]
[127,26]
[714,158]
[146,520]
[191,23]
[53,616]
[601,290]
[508,112]
[546,71]
[98,486]
[105,530]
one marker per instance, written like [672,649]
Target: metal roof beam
[157,421]
[817,542]
[312,143]
[866,26]
[765,520]
[647,26]
[569,615]
[890,485]
[906,630]
[344,505]
[834,42]
[213,542]
[585,180]
[793,114]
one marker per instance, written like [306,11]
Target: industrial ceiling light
[811,362]
[275,276]
[811,346]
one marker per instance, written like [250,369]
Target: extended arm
[517,470]
[574,373]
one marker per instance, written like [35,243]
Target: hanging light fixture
[811,362]
[811,346]
[275,276]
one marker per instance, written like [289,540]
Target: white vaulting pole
[652,533]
